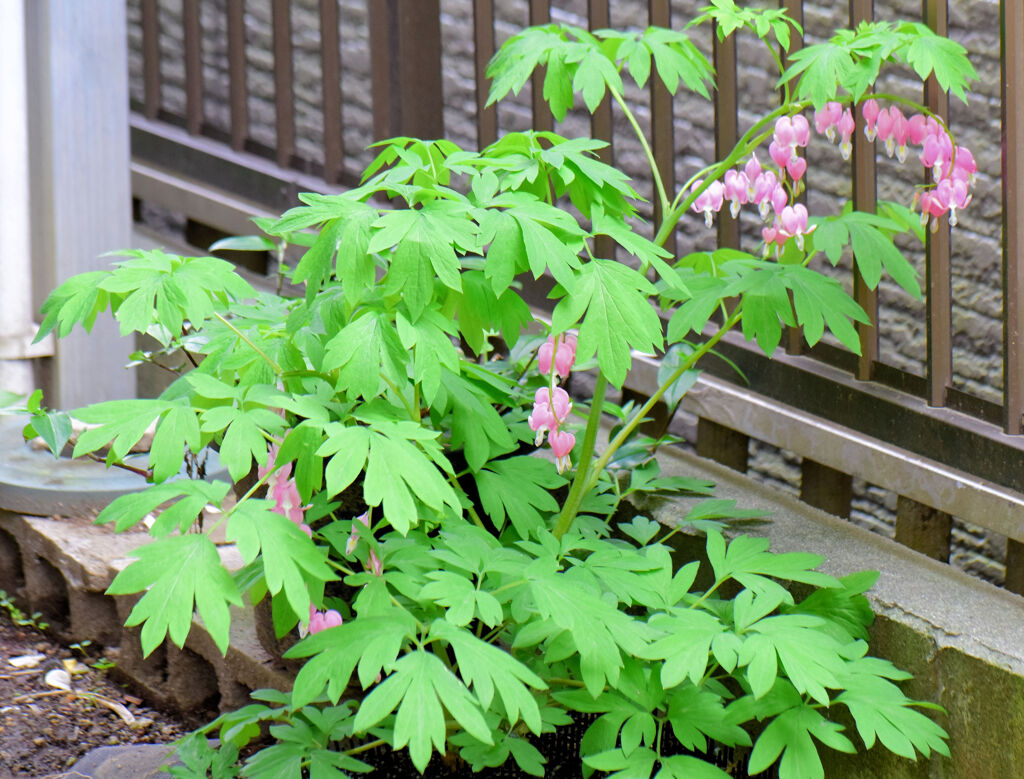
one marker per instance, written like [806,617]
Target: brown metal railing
[974,438]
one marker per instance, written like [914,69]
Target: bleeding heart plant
[459,593]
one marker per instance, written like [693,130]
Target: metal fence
[944,450]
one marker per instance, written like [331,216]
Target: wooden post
[923,529]
[722,444]
[81,192]
[826,488]
[405,60]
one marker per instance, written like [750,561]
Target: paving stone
[138,761]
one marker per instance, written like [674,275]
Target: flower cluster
[953,168]
[551,405]
[281,489]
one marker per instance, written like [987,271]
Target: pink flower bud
[870,112]
[796,168]
[561,446]
[826,118]
[785,134]
[780,154]
[801,130]
[917,127]
[565,354]
[964,166]
[900,133]
[752,170]
[779,198]
[883,124]
[322,620]
[846,127]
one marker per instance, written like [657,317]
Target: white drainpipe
[17,327]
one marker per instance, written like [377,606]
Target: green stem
[627,430]
[577,491]
[472,511]
[749,141]
[655,173]
[366,747]
[254,347]
[413,414]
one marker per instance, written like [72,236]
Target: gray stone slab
[138,761]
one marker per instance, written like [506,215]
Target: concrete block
[93,617]
[191,680]
[47,591]
[12,577]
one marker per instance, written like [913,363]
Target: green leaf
[371,642]
[475,423]
[176,429]
[79,300]
[696,712]
[178,574]
[597,627]
[349,445]
[685,646]
[819,301]
[789,734]
[119,423]
[929,53]
[291,561]
[519,487]
[363,352]
[880,709]
[618,317]
[687,767]
[748,560]
[397,469]
[488,669]
[418,687]
[127,510]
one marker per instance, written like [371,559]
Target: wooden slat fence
[972,445]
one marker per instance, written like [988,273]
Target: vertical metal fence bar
[599,17]
[483,37]
[794,337]
[723,56]
[151,57]
[937,246]
[330,65]
[237,76]
[284,103]
[1012,55]
[193,67]
[659,14]
[540,13]
[864,199]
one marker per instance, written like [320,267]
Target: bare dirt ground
[44,730]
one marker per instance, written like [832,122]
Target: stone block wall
[976,257]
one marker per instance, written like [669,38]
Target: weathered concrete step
[61,567]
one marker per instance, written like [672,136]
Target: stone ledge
[62,567]
[959,636]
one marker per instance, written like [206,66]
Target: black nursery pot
[562,750]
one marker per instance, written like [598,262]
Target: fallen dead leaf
[26,661]
[75,668]
[58,678]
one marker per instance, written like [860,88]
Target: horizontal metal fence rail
[181,159]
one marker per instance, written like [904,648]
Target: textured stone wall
[977,328]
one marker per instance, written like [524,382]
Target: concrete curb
[61,567]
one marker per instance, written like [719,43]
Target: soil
[44,731]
